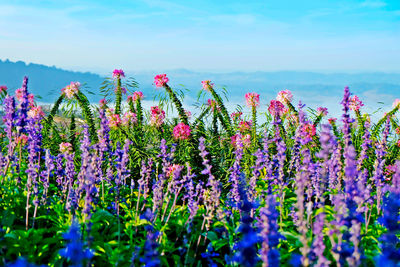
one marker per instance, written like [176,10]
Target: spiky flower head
[252,99]
[3,89]
[129,118]
[157,116]
[321,111]
[276,108]
[284,96]
[118,74]
[181,131]
[65,148]
[207,84]
[70,90]
[114,121]
[355,103]
[137,95]
[160,80]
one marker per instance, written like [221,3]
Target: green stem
[118,97]
[178,104]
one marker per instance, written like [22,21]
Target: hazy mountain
[310,87]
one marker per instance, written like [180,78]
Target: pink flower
[322,111]
[276,108]
[398,143]
[18,94]
[213,104]
[70,90]
[332,120]
[31,100]
[129,118]
[355,103]
[309,130]
[118,73]
[3,88]
[284,96]
[102,103]
[157,116]
[252,99]
[137,95]
[160,80]
[35,112]
[244,126]
[114,121]
[65,147]
[396,102]
[207,84]
[181,131]
[236,115]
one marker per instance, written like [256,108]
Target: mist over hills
[312,88]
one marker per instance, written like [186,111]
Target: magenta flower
[236,115]
[246,140]
[188,114]
[102,103]
[207,84]
[245,126]
[31,100]
[322,111]
[114,121]
[157,116]
[137,95]
[252,99]
[22,139]
[355,103]
[65,148]
[70,90]
[3,89]
[160,80]
[181,131]
[284,96]
[276,108]
[309,130]
[19,94]
[118,73]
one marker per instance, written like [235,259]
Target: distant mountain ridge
[48,81]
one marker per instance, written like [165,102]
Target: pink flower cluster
[3,88]
[137,95]
[236,115]
[22,139]
[157,116]
[322,111]
[188,114]
[245,126]
[309,130]
[252,99]
[118,73]
[181,131]
[36,112]
[276,108]
[65,147]
[174,168]
[102,103]
[19,96]
[114,121]
[332,120]
[207,84]
[355,103]
[71,89]
[284,96]
[160,80]
[129,118]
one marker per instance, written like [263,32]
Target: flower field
[119,185]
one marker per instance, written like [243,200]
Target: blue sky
[270,35]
